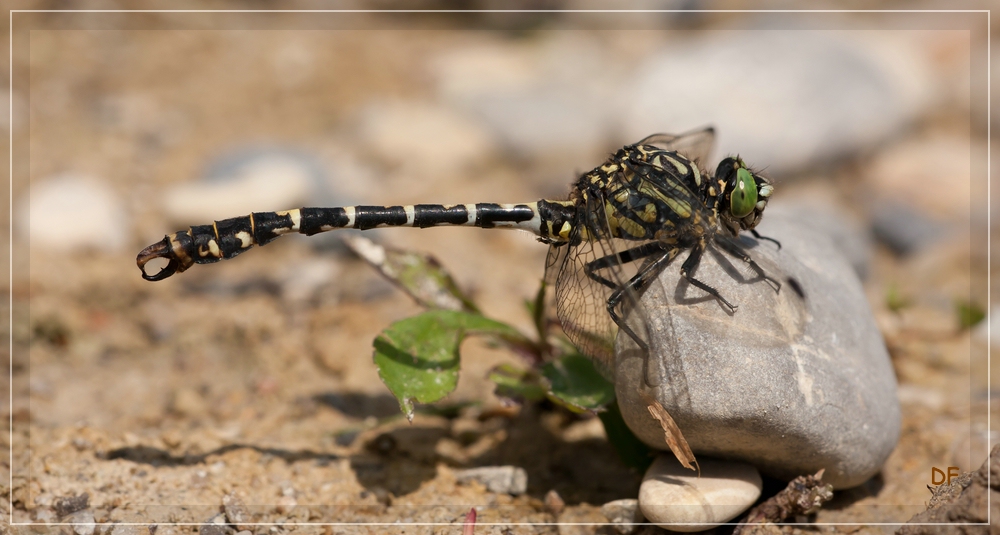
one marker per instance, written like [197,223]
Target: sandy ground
[160,400]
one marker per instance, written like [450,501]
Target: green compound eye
[744,194]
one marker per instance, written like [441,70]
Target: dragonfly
[621,225]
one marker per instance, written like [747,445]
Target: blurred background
[255,375]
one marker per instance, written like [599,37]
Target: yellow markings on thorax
[659,158]
[680,208]
[565,230]
[648,214]
[631,227]
[609,168]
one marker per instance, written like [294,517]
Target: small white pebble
[675,498]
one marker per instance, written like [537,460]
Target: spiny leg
[624,257]
[635,284]
[734,250]
[759,237]
[687,271]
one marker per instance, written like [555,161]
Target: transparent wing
[696,145]
[586,276]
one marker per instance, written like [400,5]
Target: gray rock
[623,514]
[500,479]
[791,382]
[903,228]
[786,98]
[551,96]
[680,499]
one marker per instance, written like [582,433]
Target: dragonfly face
[743,194]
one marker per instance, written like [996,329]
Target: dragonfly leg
[687,271]
[759,237]
[624,257]
[634,285]
[734,250]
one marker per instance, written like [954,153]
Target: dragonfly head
[744,194]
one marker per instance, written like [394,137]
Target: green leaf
[895,300]
[537,310]
[419,275]
[518,384]
[633,452]
[417,357]
[969,314]
[576,384]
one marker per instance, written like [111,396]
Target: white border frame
[10,327]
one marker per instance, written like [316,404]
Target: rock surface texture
[792,382]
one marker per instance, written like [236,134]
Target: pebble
[214,526]
[554,502]
[424,138]
[251,179]
[680,499]
[903,228]
[125,529]
[236,511]
[74,213]
[787,383]
[511,480]
[929,172]
[65,505]
[82,521]
[623,515]
[786,98]
[542,98]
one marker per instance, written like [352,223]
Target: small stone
[512,480]
[678,499]
[82,522]
[65,505]
[72,212]
[424,138]
[537,103]
[44,515]
[251,179]
[188,402]
[791,382]
[286,504]
[554,502]
[904,228]
[214,526]
[124,529]
[624,514]
[236,511]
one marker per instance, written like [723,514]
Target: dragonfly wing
[696,144]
